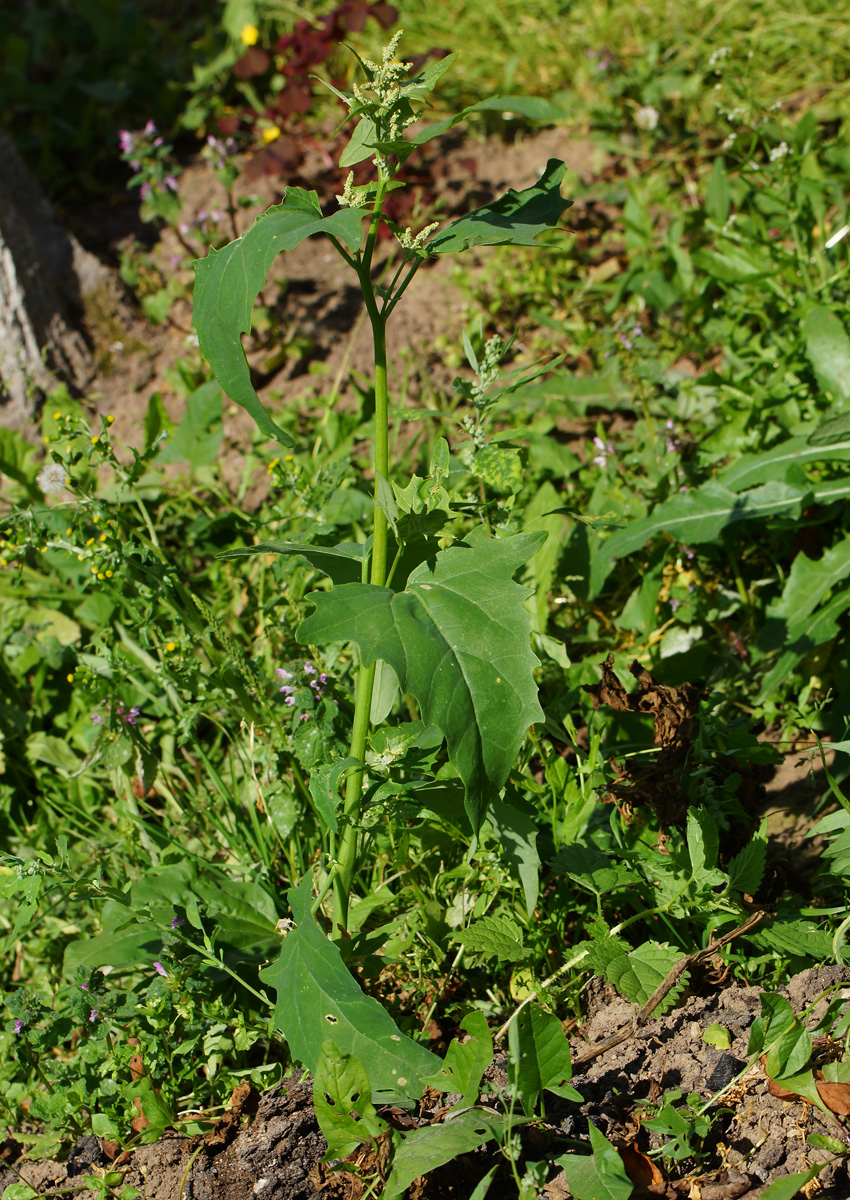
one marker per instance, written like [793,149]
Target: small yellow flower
[80,558]
[108,574]
[47,441]
[110,419]
[250,34]
[57,416]
[68,532]
[270,134]
[95,519]
[3,562]
[70,678]
[289,458]
[95,440]
[89,542]
[170,647]
[103,537]
[67,481]
[101,575]
[94,570]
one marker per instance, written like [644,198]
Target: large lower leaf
[318,999]
[421,1150]
[457,638]
[514,219]
[228,281]
[828,348]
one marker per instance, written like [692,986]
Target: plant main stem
[349,839]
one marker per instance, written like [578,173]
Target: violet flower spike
[159,968]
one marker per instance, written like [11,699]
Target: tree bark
[44,274]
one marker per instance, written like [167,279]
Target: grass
[156,789]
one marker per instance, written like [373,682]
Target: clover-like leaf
[457,637]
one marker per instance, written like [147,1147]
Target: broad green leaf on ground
[317,998]
[228,281]
[198,437]
[517,833]
[828,349]
[599,1176]
[458,639]
[495,937]
[751,469]
[636,974]
[538,1057]
[134,946]
[514,219]
[421,1150]
[342,563]
[343,1102]
[791,1185]
[696,517]
[465,1063]
[808,582]
[733,263]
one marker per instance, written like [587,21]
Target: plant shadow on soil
[276,1151]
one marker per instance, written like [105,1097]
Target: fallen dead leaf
[836,1096]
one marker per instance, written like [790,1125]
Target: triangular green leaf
[228,281]
[342,1100]
[457,638]
[514,219]
[601,1176]
[465,1062]
[317,997]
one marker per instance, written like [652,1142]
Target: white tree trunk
[44,273]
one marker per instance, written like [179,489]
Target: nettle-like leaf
[317,998]
[228,281]
[458,638]
[636,973]
[495,937]
[515,219]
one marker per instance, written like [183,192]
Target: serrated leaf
[317,998]
[515,219]
[590,868]
[828,348]
[342,1100]
[696,517]
[228,281]
[342,563]
[517,833]
[465,1062]
[601,1176]
[746,869]
[800,937]
[636,974]
[457,637]
[538,1057]
[421,1150]
[496,937]
[822,627]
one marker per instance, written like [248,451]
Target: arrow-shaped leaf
[514,219]
[457,637]
[228,281]
[317,998]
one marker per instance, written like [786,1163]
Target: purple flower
[176,922]
[93,1016]
[287,689]
[674,604]
[133,715]
[18,1026]
[96,719]
[150,128]
[171,183]
[323,679]
[305,716]
[145,190]
[159,968]
[84,986]
[183,229]
[125,140]
[315,683]
[135,164]
[605,450]
[281,674]
[290,700]
[309,669]
[624,339]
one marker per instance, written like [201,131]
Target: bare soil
[276,1152]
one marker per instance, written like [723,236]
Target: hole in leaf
[331,1019]
[330,1101]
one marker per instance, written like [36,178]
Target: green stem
[349,842]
